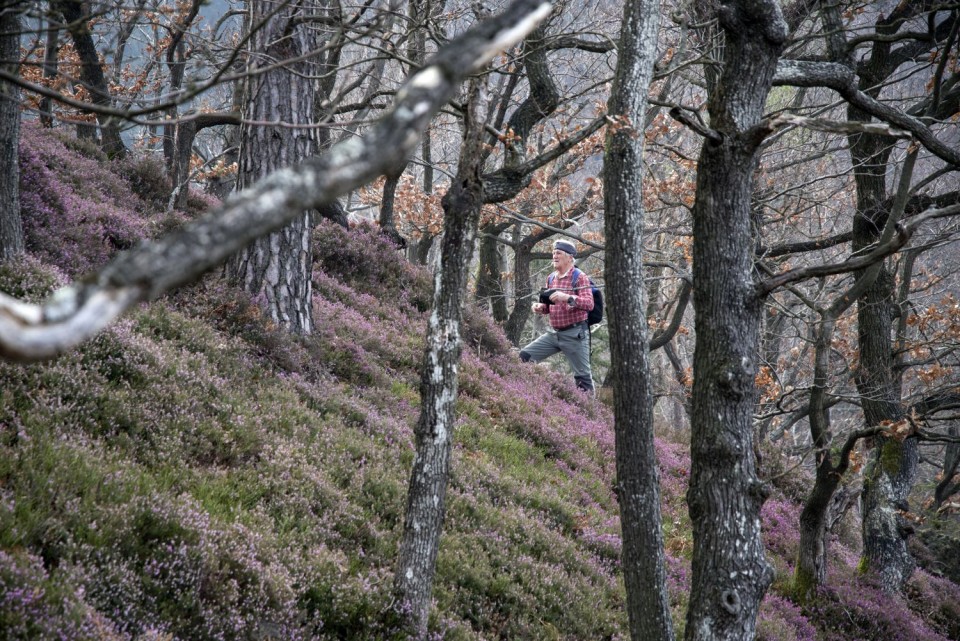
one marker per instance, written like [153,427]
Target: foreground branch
[81,310]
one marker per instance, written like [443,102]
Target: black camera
[545,295]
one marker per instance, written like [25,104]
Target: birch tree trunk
[11,227]
[426,495]
[278,267]
[730,572]
[638,482]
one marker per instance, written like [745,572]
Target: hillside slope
[194,473]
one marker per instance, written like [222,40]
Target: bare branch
[837,126]
[696,125]
[666,335]
[840,78]
[855,263]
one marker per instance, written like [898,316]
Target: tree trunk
[387,225]
[730,573]
[489,282]
[278,267]
[638,483]
[891,471]
[811,570]
[91,73]
[183,136]
[50,63]
[892,468]
[426,495]
[11,226]
[524,292]
[951,463]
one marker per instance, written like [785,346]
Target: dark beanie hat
[566,246]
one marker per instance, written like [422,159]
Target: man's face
[561,260]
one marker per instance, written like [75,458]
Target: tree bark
[730,573]
[278,267]
[426,495]
[947,487]
[387,225]
[638,482]
[11,225]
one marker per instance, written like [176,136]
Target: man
[568,309]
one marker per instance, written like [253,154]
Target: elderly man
[568,309]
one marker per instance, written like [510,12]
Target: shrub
[27,278]
[781,532]
[37,607]
[937,600]
[371,263]
[854,608]
[196,473]
[781,620]
[148,179]
[75,214]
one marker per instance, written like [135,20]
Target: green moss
[891,454]
[803,589]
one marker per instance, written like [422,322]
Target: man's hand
[559,298]
[538,308]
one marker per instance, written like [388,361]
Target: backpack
[595,315]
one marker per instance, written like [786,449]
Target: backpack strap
[576,276]
[573,283]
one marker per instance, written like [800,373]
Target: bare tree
[730,573]
[638,483]
[890,474]
[426,495]
[76,21]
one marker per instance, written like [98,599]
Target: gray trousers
[575,345]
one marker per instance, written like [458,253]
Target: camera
[545,295]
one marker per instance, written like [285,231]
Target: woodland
[265,267]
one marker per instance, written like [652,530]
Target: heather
[196,473]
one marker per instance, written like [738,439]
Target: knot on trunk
[737,379]
[730,601]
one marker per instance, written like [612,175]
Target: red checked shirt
[564,315]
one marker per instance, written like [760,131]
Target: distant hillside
[196,474]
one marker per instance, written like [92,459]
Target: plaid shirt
[564,315]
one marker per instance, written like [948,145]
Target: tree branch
[836,126]
[696,125]
[855,263]
[666,335]
[840,78]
